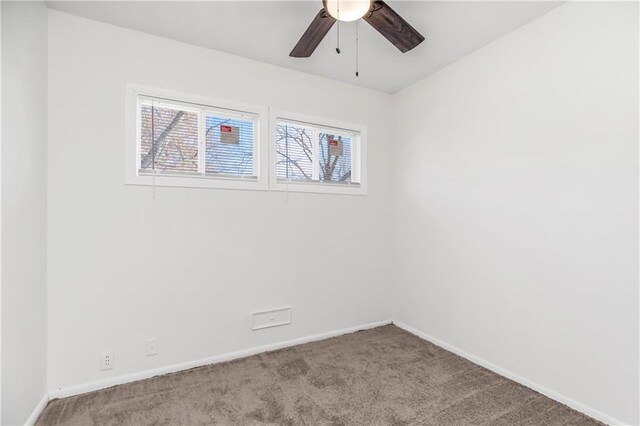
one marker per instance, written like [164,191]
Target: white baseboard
[37,411]
[578,406]
[128,378]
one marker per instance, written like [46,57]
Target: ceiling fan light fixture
[347,10]
[376,13]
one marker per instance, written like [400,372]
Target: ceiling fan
[376,12]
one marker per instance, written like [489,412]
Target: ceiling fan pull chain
[338,19]
[357,44]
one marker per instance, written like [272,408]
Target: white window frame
[132,148]
[324,124]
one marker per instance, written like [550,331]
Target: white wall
[516,210]
[190,266]
[23,209]
[517,205]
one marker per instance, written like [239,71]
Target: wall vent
[271,318]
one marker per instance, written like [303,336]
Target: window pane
[229,146]
[335,157]
[294,152]
[175,136]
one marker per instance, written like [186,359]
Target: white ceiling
[268,30]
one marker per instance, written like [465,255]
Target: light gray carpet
[383,376]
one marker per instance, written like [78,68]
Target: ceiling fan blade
[393,27]
[311,38]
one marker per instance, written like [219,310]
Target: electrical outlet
[106,362]
[152,346]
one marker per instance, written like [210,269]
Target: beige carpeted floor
[383,376]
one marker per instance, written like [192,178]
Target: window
[169,138]
[187,141]
[312,157]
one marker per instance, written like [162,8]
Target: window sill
[211,182]
[251,184]
[319,188]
